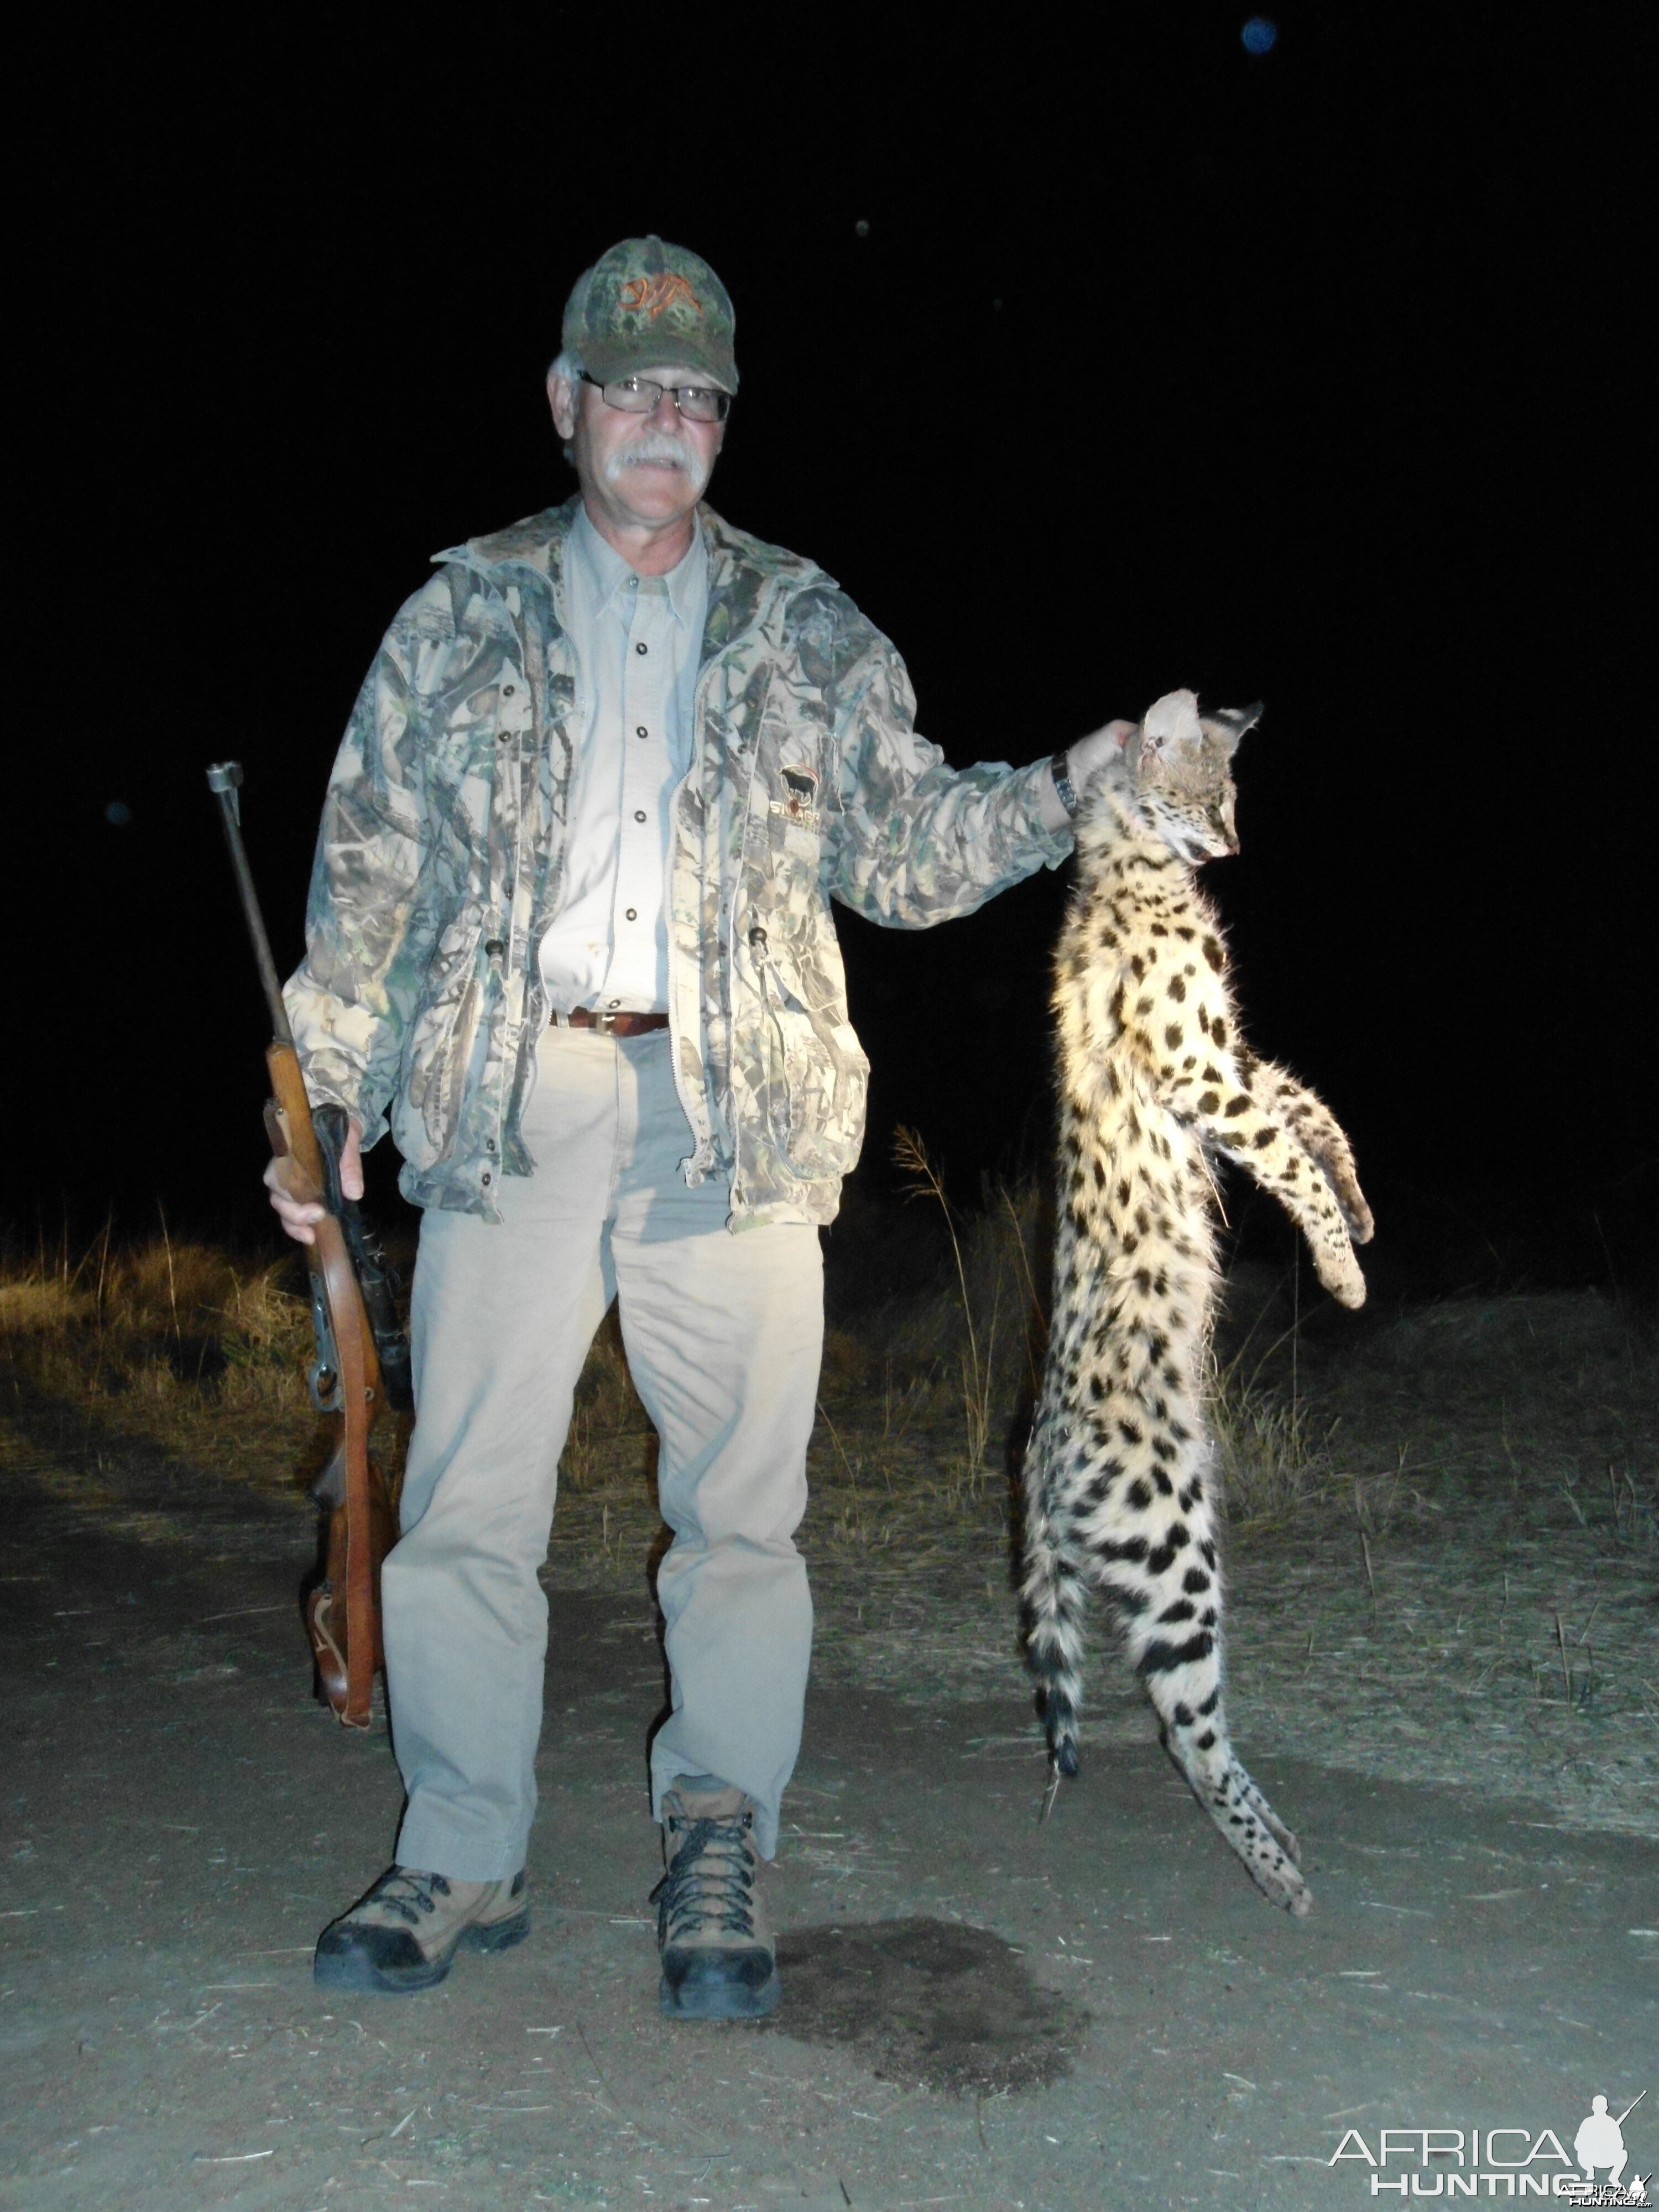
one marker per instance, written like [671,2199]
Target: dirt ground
[1445,1672]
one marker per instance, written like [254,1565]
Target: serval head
[1180,779]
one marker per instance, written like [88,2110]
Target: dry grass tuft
[1272,1454]
[923,1397]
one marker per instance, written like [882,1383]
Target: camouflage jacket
[441,857]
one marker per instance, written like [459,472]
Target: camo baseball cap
[646,305]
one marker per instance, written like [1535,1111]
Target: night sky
[1095,359]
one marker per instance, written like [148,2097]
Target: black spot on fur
[1162,1658]
[1140,1494]
[1211,948]
[1182,1609]
[1235,1107]
[1194,1581]
[1207,1741]
[1172,1036]
[1178,989]
[1208,1100]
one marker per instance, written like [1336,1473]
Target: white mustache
[656,448]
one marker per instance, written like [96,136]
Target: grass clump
[925,1393]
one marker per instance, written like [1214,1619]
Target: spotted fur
[1154,1086]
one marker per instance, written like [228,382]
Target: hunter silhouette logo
[649,295]
[1600,2142]
[1520,2162]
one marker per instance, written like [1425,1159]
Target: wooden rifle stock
[343,1613]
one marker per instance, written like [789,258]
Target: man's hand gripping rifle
[362,1355]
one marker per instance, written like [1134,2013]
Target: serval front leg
[1242,1126]
[1316,1129]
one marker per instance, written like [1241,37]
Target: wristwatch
[1065,789]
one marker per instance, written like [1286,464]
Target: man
[569,927]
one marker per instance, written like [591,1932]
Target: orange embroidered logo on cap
[649,295]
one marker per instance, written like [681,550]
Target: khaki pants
[724,1335]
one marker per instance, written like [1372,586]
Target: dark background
[1093,358]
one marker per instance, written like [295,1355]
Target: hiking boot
[719,1958]
[405,1933]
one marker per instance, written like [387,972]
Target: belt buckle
[605,1023]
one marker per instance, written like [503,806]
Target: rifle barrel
[224,778]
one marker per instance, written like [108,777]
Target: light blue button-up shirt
[637,641]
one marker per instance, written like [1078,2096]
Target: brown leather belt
[584,1017]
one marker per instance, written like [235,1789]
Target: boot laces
[710,1881]
[409,1892]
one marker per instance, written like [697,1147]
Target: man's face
[644,471]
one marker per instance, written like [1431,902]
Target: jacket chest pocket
[482,728]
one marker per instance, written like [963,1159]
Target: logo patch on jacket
[801,805]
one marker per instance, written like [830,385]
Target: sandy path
[180,1820]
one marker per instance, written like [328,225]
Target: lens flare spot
[1259,34]
[118,812]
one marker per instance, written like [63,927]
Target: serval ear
[1169,725]
[1227,724]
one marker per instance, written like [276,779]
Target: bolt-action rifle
[363,1354]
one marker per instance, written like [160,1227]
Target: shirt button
[641,731]
[632,914]
[639,814]
[615,1003]
[641,648]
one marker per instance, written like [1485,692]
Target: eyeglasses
[638,395]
